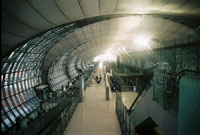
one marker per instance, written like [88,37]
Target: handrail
[187,70]
[139,94]
[45,119]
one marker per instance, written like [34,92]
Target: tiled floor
[95,115]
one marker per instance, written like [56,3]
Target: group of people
[97,78]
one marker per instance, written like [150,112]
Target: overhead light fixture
[106,57]
[142,42]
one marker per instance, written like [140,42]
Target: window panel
[11,117]
[11,90]
[20,110]
[25,95]
[6,91]
[25,109]
[18,66]
[10,103]
[18,102]
[6,120]
[32,82]
[19,99]
[15,78]
[14,100]
[19,57]
[2,93]
[22,75]
[33,93]
[28,94]
[35,80]
[2,110]
[15,113]
[2,79]
[33,103]
[40,80]
[19,85]
[4,68]
[3,128]
[14,67]
[11,77]
[28,107]
[16,89]
[4,105]
[23,66]
[22,95]
[9,68]
[37,101]
[25,87]
[19,96]
[6,79]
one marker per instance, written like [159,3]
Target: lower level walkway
[95,115]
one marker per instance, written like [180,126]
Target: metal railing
[123,116]
[163,84]
[166,88]
[123,113]
[57,109]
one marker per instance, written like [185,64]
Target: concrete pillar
[107,93]
[118,62]
[81,87]
[188,115]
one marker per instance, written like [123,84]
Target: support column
[106,88]
[107,93]
[81,86]
[188,115]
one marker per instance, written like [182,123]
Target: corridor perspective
[147,52]
[95,115]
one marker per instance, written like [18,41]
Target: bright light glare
[105,57]
[142,42]
[101,64]
[126,24]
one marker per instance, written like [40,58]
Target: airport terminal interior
[100,67]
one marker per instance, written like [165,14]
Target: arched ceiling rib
[95,26]
[100,24]
[114,32]
[24,19]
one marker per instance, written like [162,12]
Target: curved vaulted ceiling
[100,24]
[46,40]
[23,19]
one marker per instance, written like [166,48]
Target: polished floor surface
[95,115]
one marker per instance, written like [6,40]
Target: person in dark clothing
[100,76]
[97,77]
[98,81]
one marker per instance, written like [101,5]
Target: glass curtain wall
[57,76]
[21,72]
